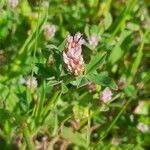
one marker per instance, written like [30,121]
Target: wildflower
[31,83]
[91,87]
[93,40]
[13,3]
[49,31]
[106,95]
[121,83]
[72,56]
[143,127]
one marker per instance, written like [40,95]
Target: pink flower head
[73,55]
[106,95]
[49,31]
[143,127]
[91,87]
[93,40]
[13,3]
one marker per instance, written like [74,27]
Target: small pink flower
[143,127]
[93,40]
[13,3]
[72,56]
[106,95]
[49,31]
[91,87]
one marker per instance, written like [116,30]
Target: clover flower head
[73,55]
[31,83]
[106,95]
[93,40]
[49,31]
[13,3]
[142,127]
[91,87]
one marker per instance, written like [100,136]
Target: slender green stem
[45,111]
[122,18]
[27,136]
[40,103]
[88,129]
[36,40]
[138,58]
[114,121]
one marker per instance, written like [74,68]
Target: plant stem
[36,40]
[122,18]
[53,99]
[138,58]
[40,104]
[88,128]
[114,121]
[27,136]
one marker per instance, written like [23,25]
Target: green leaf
[61,47]
[142,108]
[64,88]
[51,83]
[5,115]
[95,63]
[130,90]
[83,82]
[139,56]
[120,48]
[107,21]
[121,19]
[133,26]
[45,71]
[25,8]
[86,30]
[103,79]
[51,123]
[51,46]
[80,81]
[73,137]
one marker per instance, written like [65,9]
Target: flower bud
[142,127]
[93,40]
[91,87]
[106,95]
[49,31]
